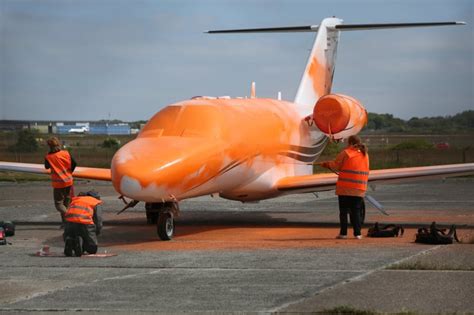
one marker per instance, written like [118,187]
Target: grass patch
[414,144]
[22,177]
[339,310]
[419,265]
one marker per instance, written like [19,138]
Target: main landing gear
[162,214]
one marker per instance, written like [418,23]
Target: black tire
[165,226]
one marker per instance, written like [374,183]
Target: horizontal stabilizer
[306,28]
[340,27]
[357,27]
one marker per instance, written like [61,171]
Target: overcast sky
[124,59]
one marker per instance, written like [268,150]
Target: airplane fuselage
[238,148]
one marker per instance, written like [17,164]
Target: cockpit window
[198,121]
[163,122]
[185,121]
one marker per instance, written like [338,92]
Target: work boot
[77,247]
[68,246]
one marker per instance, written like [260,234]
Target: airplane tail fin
[318,75]
[319,72]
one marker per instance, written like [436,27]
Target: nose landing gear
[165,226]
[162,214]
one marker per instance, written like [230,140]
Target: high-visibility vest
[61,175]
[354,172]
[81,210]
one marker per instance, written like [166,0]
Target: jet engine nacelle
[339,116]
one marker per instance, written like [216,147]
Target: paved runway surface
[279,255]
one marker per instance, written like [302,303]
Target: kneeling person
[83,224]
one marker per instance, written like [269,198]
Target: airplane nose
[161,169]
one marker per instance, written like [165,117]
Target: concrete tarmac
[276,256]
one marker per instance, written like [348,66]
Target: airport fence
[380,158]
[8,139]
[389,140]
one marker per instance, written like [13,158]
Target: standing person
[61,164]
[83,224]
[352,166]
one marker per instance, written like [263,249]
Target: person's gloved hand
[97,231]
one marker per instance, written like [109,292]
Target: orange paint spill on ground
[260,238]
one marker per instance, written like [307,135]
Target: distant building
[94,128]
[12,125]
[110,129]
[118,129]
[42,127]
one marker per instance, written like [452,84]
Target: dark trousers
[352,206]
[62,199]
[86,234]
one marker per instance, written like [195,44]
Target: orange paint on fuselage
[319,76]
[187,144]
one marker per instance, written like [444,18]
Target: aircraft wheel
[165,226]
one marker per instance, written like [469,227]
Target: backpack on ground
[8,228]
[3,240]
[436,236]
[389,230]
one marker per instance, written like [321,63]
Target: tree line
[459,123]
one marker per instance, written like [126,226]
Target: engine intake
[339,116]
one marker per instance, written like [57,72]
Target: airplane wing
[79,172]
[322,182]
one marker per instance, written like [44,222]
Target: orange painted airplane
[245,149]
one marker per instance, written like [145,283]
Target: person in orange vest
[83,224]
[352,166]
[61,164]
